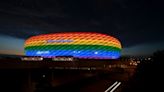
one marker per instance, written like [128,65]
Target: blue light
[80,53]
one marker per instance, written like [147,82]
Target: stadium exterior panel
[77,44]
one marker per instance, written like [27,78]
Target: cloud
[143,49]
[11,45]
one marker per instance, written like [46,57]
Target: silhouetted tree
[158,56]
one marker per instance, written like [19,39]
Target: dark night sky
[138,24]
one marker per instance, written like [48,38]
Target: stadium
[84,45]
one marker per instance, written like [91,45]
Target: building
[85,45]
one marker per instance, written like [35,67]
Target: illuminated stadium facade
[77,44]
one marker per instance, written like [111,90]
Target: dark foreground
[38,80]
[147,77]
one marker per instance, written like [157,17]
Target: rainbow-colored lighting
[77,44]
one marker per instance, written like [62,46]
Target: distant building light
[63,59]
[44,76]
[58,67]
[149,58]
[138,61]
[32,58]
